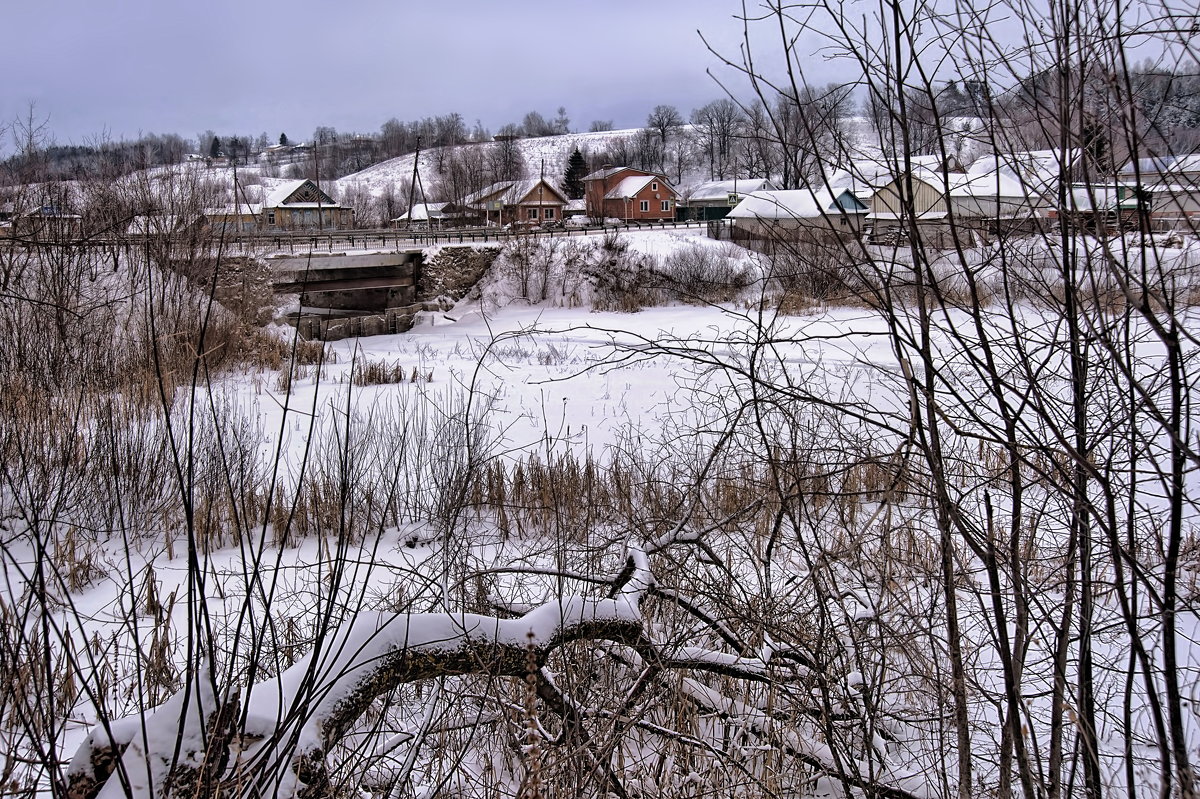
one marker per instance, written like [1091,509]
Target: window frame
[645,206]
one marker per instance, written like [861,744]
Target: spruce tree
[283,139]
[573,180]
[214,149]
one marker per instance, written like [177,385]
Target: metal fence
[341,241]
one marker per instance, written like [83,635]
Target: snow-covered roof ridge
[717,190]
[1174,164]
[514,191]
[422,212]
[239,208]
[630,186]
[796,204]
[279,195]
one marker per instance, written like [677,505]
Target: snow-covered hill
[553,151]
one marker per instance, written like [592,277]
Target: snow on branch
[297,715]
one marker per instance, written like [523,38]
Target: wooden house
[238,218]
[47,223]
[521,202]
[302,205]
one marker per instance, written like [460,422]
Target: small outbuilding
[796,214]
[715,199]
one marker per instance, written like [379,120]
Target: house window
[666,205]
[308,218]
[653,187]
[296,218]
[533,213]
[645,206]
[270,217]
[549,213]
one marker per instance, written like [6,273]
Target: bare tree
[664,120]
[717,127]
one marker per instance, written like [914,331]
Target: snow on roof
[629,187]
[985,185]
[278,196]
[1037,169]
[795,204]
[719,190]
[281,192]
[600,174]
[1173,164]
[514,191]
[863,177]
[928,161]
[149,224]
[422,212]
[229,210]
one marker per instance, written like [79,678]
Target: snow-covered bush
[695,273]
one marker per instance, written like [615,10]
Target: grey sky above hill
[119,69]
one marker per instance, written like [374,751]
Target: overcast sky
[124,67]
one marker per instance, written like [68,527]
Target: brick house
[631,195]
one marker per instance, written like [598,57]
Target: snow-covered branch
[307,708]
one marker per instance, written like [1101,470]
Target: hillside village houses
[48,223]
[877,198]
[1006,193]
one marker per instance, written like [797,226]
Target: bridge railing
[341,241]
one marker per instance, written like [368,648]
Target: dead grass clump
[379,373]
[810,271]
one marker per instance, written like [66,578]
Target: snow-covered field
[747,493]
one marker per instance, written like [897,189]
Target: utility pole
[412,185]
